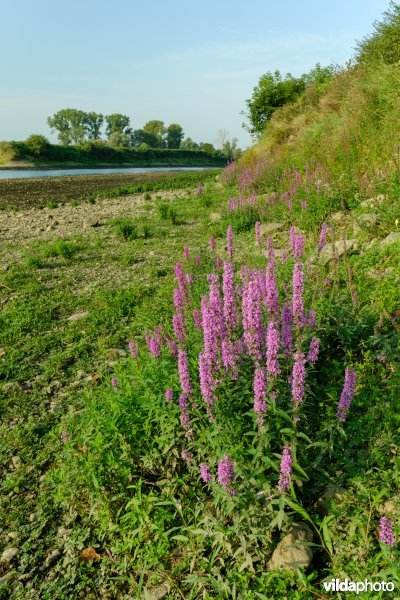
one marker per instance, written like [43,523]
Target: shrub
[37,144]
[125,228]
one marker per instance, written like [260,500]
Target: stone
[291,552]
[268,228]
[368,219]
[115,352]
[11,386]
[63,532]
[337,248]
[331,494]
[16,461]
[52,557]
[93,222]
[32,517]
[8,555]
[155,593]
[337,216]
[371,202]
[392,238]
[12,535]
[78,316]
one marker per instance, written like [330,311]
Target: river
[29,173]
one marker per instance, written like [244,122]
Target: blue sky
[193,64]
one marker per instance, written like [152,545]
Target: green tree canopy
[37,144]
[70,125]
[157,129]
[189,144]
[140,137]
[94,123]
[117,123]
[174,135]
[384,43]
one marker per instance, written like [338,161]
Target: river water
[29,173]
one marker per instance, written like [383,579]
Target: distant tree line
[77,127]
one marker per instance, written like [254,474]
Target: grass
[88,466]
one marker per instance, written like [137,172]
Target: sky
[180,62]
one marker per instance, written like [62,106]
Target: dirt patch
[26,193]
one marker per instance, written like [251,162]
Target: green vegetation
[145,452]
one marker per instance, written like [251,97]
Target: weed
[52,204]
[125,228]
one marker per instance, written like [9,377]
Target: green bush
[37,144]
[125,228]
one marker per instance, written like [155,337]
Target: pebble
[9,554]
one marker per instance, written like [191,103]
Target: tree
[37,144]
[94,123]
[230,148]
[189,144]
[174,135]
[206,147]
[272,92]
[157,129]
[119,140]
[140,137]
[117,123]
[70,124]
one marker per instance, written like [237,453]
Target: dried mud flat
[27,193]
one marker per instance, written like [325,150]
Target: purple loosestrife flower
[133,349]
[270,249]
[259,387]
[189,279]
[229,296]
[169,395]
[185,454]
[257,228]
[181,278]
[205,473]
[197,259]
[178,300]
[186,252]
[322,236]
[216,307]
[252,320]
[179,327]
[350,379]
[272,291]
[229,245]
[184,416]
[298,378]
[114,382]
[153,346]
[212,243]
[206,379]
[228,356]
[272,349]
[209,333]
[285,469]
[184,376]
[313,352]
[172,347]
[297,243]
[218,263]
[226,473]
[386,534]
[298,290]
[312,317]
[197,319]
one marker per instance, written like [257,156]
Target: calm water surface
[26,173]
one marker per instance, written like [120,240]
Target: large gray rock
[291,552]
[392,238]
[330,251]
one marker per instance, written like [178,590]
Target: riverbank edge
[141,164]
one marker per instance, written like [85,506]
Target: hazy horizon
[192,65]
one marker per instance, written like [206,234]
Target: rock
[8,554]
[155,593]
[337,217]
[52,557]
[63,532]
[368,219]
[6,267]
[267,228]
[16,461]
[12,535]
[390,507]
[115,352]
[93,222]
[80,374]
[331,494]
[392,238]
[329,251]
[371,202]
[291,553]
[24,577]
[78,316]
[12,386]
[32,517]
